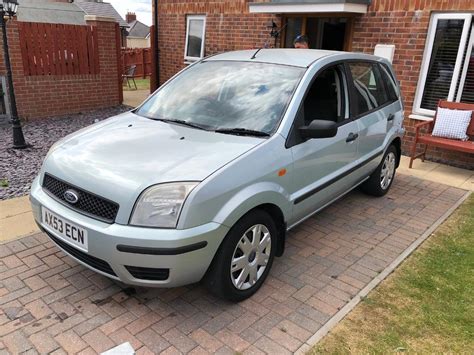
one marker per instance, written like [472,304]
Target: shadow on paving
[49,302]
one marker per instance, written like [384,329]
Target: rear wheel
[382,178]
[245,257]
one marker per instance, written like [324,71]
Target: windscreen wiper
[242,132]
[184,123]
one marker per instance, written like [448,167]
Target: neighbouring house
[138,34]
[63,60]
[104,9]
[430,41]
[50,12]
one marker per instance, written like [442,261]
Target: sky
[141,7]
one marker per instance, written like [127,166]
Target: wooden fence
[57,49]
[141,57]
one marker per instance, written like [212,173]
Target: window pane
[325,99]
[392,90]
[195,34]
[443,59]
[369,90]
[227,95]
[468,91]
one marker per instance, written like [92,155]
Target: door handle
[352,137]
[391,117]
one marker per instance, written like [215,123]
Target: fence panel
[141,57]
[57,49]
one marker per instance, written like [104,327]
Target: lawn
[425,306]
[142,84]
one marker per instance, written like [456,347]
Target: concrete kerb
[331,323]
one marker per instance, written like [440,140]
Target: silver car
[204,179]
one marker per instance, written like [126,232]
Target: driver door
[321,166]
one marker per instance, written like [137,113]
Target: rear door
[372,108]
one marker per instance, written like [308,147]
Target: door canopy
[310,6]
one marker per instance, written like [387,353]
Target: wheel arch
[397,143]
[277,215]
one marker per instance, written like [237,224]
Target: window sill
[415,116]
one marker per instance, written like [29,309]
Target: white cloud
[141,7]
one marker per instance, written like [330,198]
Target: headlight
[160,205]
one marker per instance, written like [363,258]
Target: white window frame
[467,17]
[462,81]
[203,44]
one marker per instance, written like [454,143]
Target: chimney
[130,17]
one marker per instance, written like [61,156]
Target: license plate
[67,231]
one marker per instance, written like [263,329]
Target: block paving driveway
[49,303]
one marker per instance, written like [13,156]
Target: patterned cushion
[452,124]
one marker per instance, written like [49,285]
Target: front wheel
[382,178]
[244,259]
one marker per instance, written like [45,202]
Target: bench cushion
[462,146]
[452,123]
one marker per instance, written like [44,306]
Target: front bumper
[186,253]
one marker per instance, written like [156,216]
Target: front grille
[88,203]
[145,273]
[90,260]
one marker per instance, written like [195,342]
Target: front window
[217,95]
[448,64]
[195,37]
[327,97]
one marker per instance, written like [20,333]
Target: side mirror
[319,129]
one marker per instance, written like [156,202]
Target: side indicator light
[282,172]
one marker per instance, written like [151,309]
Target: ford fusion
[204,179]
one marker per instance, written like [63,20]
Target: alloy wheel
[250,257]
[388,170]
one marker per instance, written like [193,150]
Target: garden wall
[56,75]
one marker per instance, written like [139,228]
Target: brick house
[138,34]
[432,39]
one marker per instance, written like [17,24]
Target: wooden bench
[450,144]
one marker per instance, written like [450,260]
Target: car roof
[287,56]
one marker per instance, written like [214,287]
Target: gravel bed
[18,167]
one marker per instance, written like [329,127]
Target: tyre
[382,178]
[244,259]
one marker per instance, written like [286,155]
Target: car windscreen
[218,95]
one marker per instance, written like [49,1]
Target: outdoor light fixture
[275,31]
[8,9]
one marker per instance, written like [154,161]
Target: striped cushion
[452,124]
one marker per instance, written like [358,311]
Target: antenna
[255,54]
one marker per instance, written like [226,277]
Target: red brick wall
[229,26]
[50,95]
[405,24]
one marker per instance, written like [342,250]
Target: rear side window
[369,88]
[392,89]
